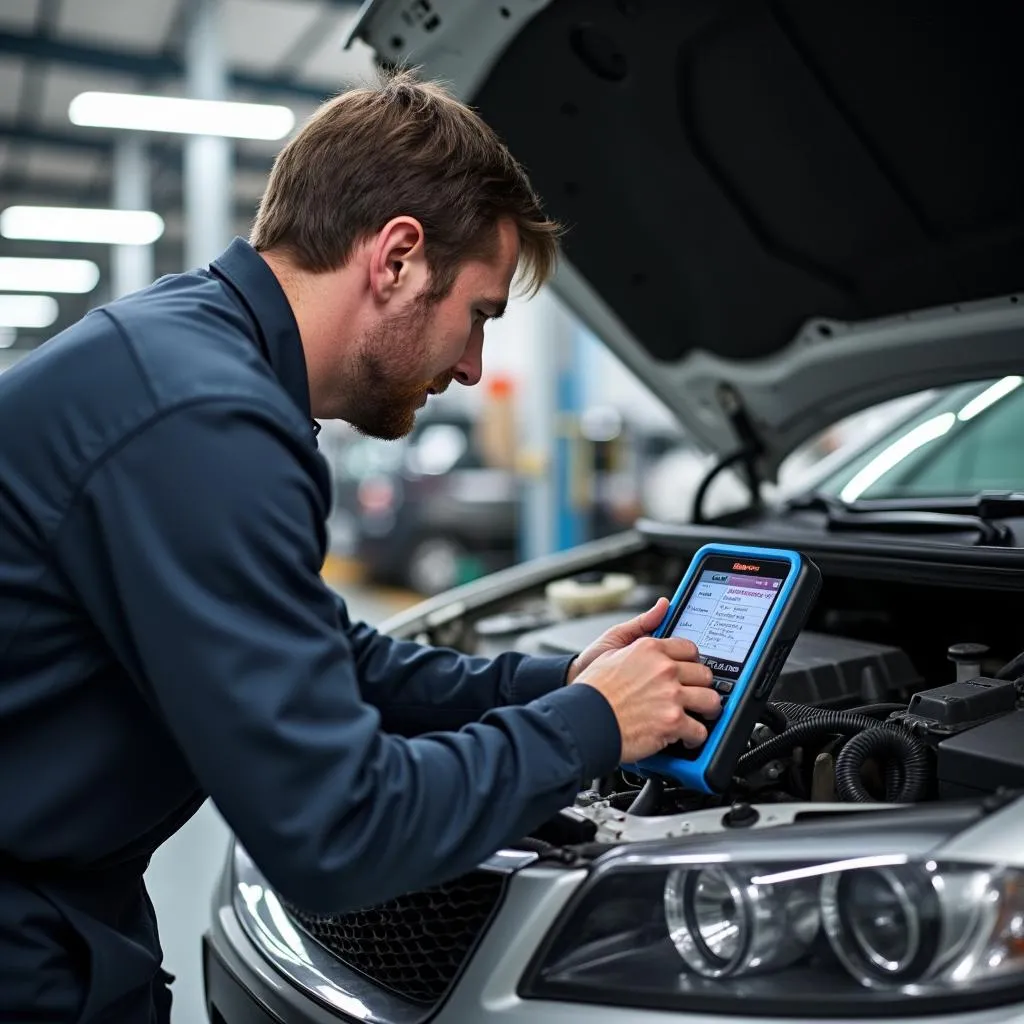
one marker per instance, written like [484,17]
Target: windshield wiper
[920,515]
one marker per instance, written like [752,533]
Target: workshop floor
[182,873]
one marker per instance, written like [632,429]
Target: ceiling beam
[151,66]
[87,140]
[15,131]
[64,193]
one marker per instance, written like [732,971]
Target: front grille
[414,945]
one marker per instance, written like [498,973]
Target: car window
[967,441]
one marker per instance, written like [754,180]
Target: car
[439,515]
[351,458]
[782,215]
[436,512]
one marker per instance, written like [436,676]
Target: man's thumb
[651,619]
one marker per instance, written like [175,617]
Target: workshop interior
[777,380]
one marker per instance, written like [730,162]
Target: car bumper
[251,976]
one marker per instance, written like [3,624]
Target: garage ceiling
[278,51]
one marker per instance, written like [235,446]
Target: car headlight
[796,937]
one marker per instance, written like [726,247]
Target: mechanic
[166,634]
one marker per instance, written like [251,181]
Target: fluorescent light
[24,274]
[181,116]
[992,394]
[27,311]
[892,456]
[68,224]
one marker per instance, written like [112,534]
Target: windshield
[967,441]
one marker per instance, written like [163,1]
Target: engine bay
[898,692]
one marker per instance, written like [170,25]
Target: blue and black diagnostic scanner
[743,608]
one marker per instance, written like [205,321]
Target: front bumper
[253,975]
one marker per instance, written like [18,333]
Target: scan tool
[743,608]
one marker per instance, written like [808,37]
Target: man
[165,632]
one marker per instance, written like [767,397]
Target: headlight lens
[809,939]
[722,925]
[883,923]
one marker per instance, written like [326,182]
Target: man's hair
[402,147]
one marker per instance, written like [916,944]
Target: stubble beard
[385,393]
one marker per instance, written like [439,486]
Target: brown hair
[402,147]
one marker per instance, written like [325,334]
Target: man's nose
[469,368]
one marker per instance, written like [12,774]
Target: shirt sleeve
[418,688]
[196,548]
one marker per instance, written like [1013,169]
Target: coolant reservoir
[590,593]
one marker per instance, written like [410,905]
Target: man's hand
[652,686]
[618,637]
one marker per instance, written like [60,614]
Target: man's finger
[640,625]
[678,648]
[701,701]
[691,732]
[648,621]
[693,673]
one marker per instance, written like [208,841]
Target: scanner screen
[726,609]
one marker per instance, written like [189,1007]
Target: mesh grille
[416,944]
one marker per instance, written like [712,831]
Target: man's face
[419,349]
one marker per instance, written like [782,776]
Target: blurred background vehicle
[438,508]
[434,510]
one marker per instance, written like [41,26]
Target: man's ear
[398,262]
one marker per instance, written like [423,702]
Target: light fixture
[69,224]
[181,116]
[27,274]
[27,311]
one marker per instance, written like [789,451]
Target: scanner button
[723,686]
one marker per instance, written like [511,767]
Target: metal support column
[207,158]
[548,395]
[571,475]
[132,265]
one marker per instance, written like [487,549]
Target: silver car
[782,214]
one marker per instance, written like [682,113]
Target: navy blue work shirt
[165,635]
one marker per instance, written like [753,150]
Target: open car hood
[779,213]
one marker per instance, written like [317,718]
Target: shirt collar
[245,270]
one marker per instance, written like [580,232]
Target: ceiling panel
[330,63]
[44,164]
[62,84]
[12,73]
[259,33]
[139,25]
[19,14]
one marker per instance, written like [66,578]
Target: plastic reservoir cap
[586,595]
[967,652]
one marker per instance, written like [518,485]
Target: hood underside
[779,213]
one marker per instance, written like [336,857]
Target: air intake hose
[890,745]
